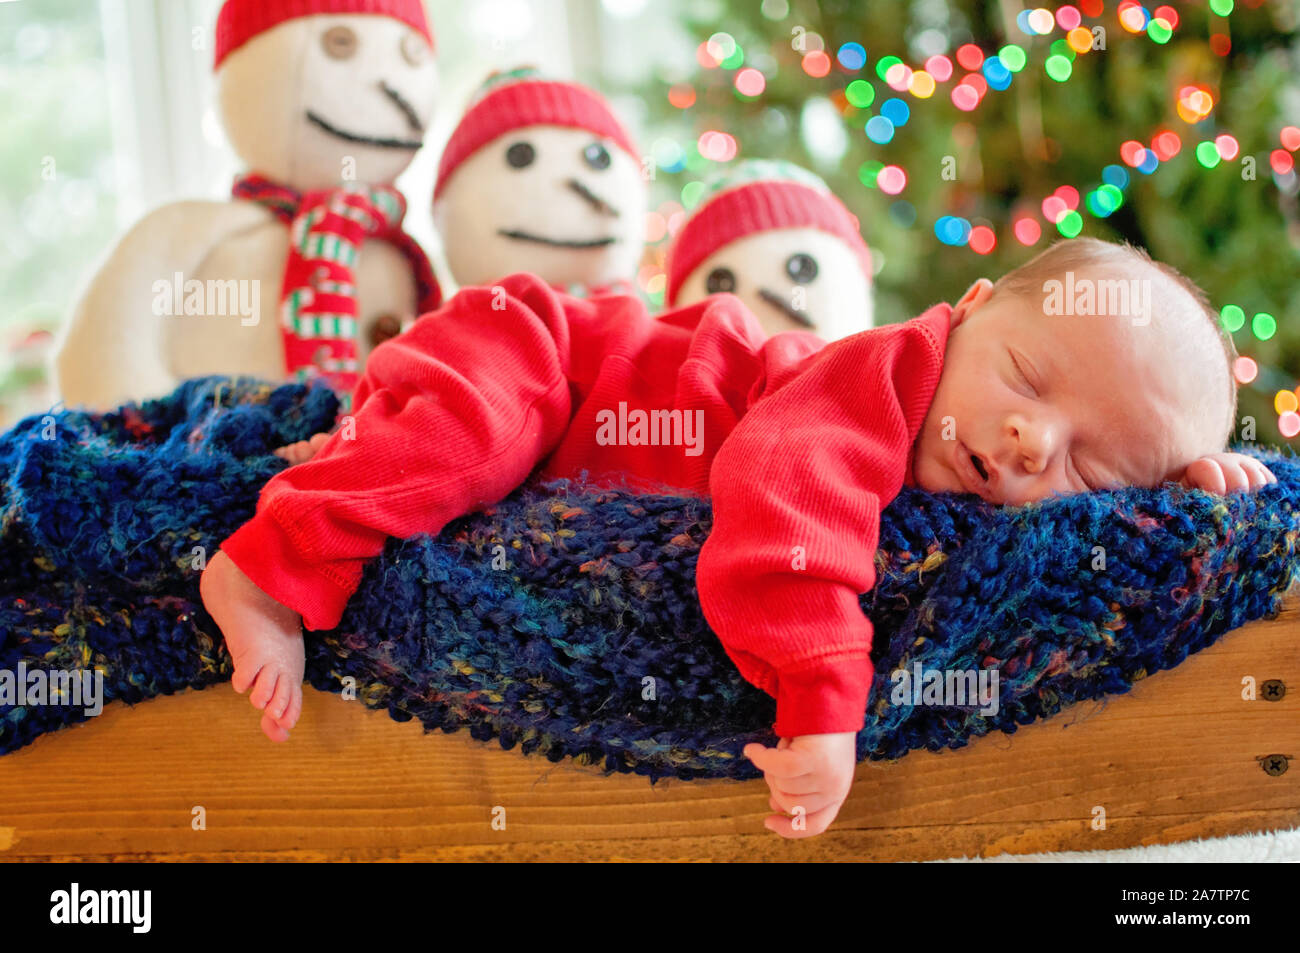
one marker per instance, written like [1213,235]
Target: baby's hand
[303,450]
[1226,473]
[809,777]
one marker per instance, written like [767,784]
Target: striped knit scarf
[318,299]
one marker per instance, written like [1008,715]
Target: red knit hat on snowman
[241,20]
[759,195]
[522,97]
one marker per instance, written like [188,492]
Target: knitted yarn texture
[564,620]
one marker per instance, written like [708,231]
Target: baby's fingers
[801,785]
[782,763]
[791,803]
[806,824]
[1206,474]
[1259,474]
[1235,476]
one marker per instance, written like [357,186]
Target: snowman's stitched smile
[520,236]
[776,301]
[382,143]
[588,196]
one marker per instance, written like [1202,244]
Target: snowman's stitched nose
[793,313]
[412,118]
[599,204]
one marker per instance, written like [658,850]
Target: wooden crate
[1182,756]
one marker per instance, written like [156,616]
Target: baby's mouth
[972,472]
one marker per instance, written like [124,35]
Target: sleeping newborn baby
[1090,367]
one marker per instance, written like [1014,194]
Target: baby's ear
[976,295]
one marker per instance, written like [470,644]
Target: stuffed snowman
[540,176]
[306,268]
[772,234]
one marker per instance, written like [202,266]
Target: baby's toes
[293,708]
[273,730]
[264,688]
[244,676]
[278,707]
[294,711]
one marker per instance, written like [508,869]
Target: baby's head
[1089,367]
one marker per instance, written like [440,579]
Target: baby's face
[1031,404]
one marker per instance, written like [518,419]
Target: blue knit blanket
[564,620]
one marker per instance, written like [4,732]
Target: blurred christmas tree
[966,136]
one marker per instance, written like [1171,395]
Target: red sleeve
[797,491]
[451,415]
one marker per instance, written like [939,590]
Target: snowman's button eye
[597,156]
[720,280]
[521,154]
[340,42]
[414,48]
[384,328]
[801,268]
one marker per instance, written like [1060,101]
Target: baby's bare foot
[265,642]
[303,450]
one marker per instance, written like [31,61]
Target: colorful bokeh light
[879,130]
[682,95]
[750,82]
[982,240]
[1068,17]
[816,64]
[860,93]
[940,67]
[952,230]
[1232,317]
[921,85]
[1166,145]
[1289,424]
[852,56]
[717,146]
[891,180]
[1027,231]
[964,97]
[1058,67]
[1263,326]
[970,56]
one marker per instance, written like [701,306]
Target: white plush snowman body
[540,176]
[315,102]
[792,279]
